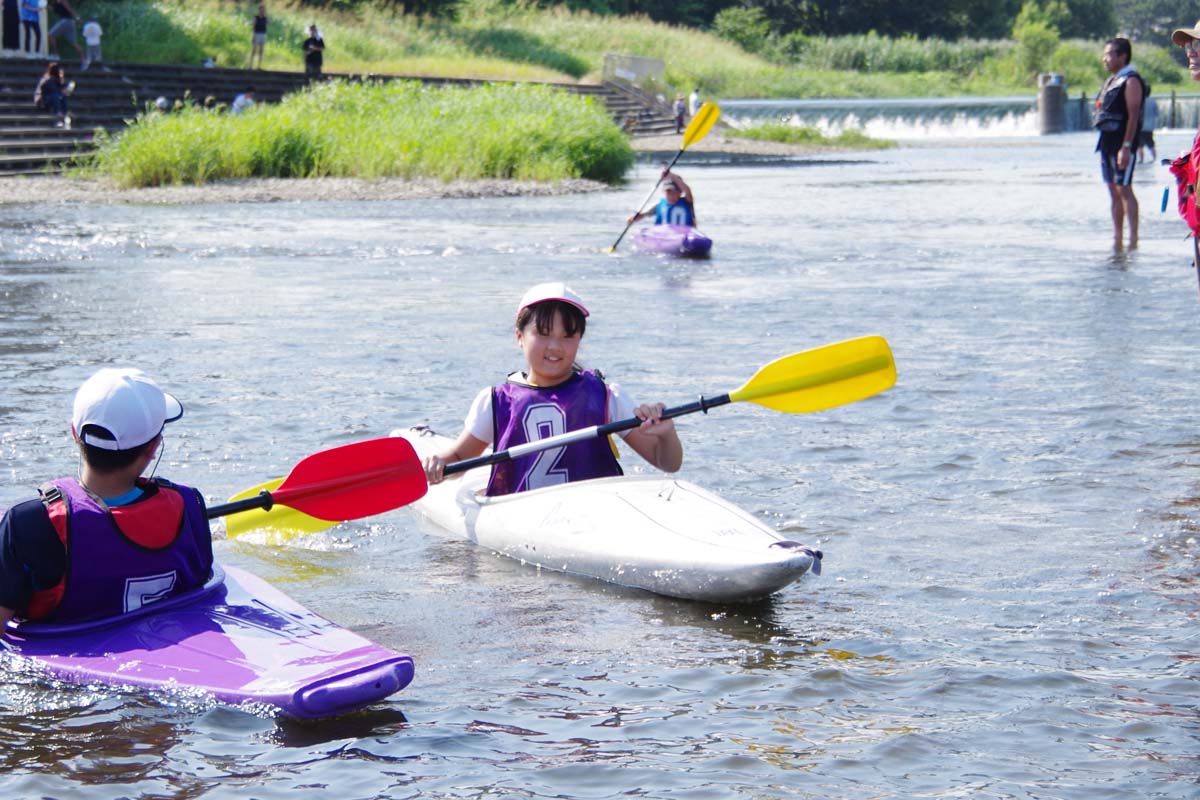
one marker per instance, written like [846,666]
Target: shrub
[746,27]
[398,129]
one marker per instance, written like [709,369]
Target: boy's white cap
[555,290]
[125,402]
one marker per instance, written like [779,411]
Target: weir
[948,118]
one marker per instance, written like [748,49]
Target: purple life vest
[120,559]
[523,413]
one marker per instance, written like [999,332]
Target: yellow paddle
[696,130]
[282,518]
[812,380]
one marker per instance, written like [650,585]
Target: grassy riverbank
[493,40]
[400,129]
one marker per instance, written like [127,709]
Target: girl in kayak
[677,206]
[109,541]
[552,396]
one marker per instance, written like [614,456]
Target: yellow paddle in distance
[696,130]
[811,380]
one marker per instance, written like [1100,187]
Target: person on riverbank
[64,30]
[677,206]
[1117,117]
[258,36]
[31,24]
[243,101]
[1149,123]
[314,52]
[52,92]
[551,396]
[108,541]
[91,37]
[694,102]
[680,110]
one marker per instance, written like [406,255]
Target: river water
[1009,602]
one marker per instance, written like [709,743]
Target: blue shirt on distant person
[677,213]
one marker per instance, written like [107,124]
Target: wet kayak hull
[239,640]
[650,532]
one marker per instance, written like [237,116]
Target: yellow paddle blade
[822,378]
[283,522]
[701,124]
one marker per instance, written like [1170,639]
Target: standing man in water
[1118,117]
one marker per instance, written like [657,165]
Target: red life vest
[1186,170]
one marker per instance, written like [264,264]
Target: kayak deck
[677,240]
[650,532]
[238,639]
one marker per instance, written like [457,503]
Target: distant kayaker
[109,541]
[677,206]
[552,396]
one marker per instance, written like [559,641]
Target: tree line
[1141,20]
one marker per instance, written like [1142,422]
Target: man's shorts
[1110,173]
[64,29]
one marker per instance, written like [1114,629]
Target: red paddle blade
[355,480]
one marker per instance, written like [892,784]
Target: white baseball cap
[127,404]
[555,290]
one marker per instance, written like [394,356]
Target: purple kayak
[676,240]
[238,639]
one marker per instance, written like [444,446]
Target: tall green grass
[399,129]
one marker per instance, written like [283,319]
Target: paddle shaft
[263,500]
[595,431]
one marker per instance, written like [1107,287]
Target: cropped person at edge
[109,541]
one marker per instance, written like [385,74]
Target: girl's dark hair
[103,460]
[542,315]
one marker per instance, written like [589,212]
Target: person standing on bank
[258,39]
[1118,117]
[1149,123]
[314,49]
[64,29]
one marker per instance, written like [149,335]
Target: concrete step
[65,143]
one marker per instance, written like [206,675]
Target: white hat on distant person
[1181,36]
[555,290]
[127,404]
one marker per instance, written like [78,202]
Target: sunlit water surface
[1009,603]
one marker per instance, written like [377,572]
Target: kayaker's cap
[670,185]
[1181,36]
[555,290]
[127,404]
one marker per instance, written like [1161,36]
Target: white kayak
[650,532]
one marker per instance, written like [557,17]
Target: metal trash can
[1052,103]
